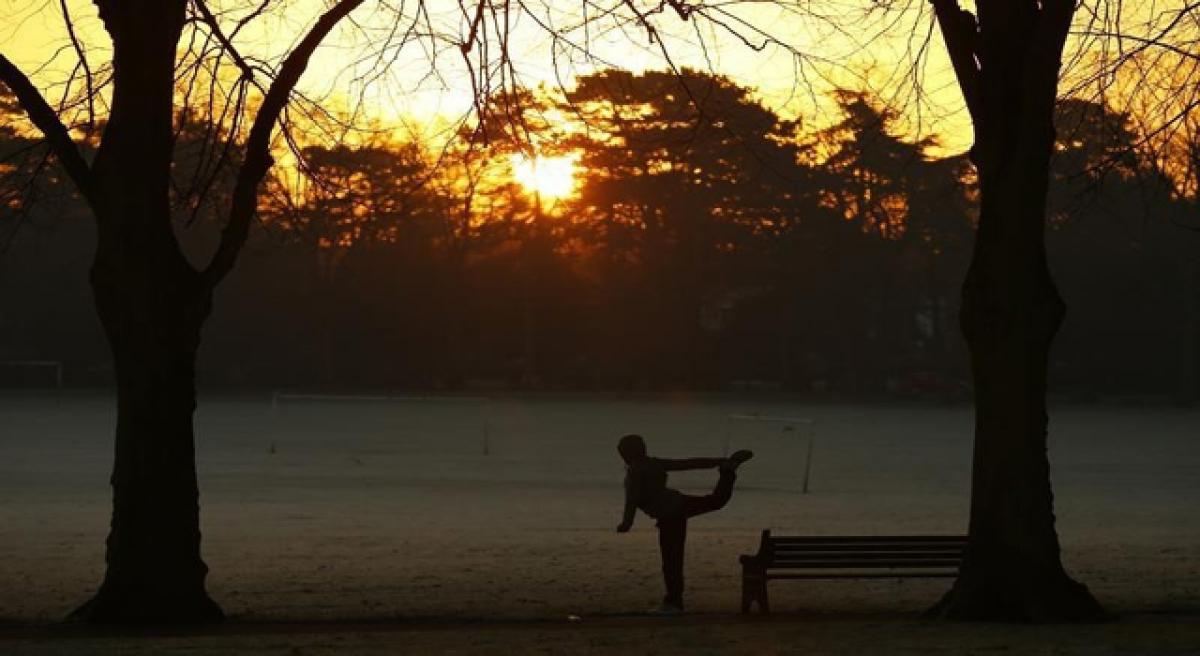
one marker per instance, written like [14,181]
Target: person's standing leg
[672,533]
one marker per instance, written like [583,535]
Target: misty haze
[631,327]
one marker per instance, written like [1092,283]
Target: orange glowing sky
[550,177]
[425,82]
[435,89]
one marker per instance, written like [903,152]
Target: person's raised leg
[723,490]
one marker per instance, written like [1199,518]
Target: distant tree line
[711,244]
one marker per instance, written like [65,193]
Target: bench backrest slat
[891,548]
[843,555]
[854,552]
[868,540]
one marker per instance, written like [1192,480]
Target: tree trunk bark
[154,570]
[152,304]
[1011,312]
[1007,63]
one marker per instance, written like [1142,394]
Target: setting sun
[549,177]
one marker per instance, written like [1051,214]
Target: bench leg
[754,589]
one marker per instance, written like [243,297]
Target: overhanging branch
[258,145]
[215,27]
[46,120]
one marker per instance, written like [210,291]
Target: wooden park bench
[847,557]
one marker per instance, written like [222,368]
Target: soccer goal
[783,447]
[31,374]
[448,422]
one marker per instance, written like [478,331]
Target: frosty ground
[498,515]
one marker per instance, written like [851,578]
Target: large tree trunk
[152,304]
[1010,315]
[152,314]
[1007,64]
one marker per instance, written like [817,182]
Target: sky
[426,80]
[399,61]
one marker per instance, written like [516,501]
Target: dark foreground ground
[1140,634]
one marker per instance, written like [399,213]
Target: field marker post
[786,421]
[728,430]
[808,462]
[487,428]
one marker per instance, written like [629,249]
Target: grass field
[378,511]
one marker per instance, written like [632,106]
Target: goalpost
[281,398]
[778,443]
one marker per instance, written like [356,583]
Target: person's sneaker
[737,458]
[666,610]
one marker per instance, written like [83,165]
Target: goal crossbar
[276,397]
[810,436]
[779,420]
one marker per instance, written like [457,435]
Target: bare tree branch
[211,21]
[46,119]
[258,145]
[83,61]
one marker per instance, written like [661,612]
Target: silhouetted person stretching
[646,488]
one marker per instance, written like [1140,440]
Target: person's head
[631,447]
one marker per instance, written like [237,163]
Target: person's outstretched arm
[680,464]
[630,504]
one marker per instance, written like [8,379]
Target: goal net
[783,448]
[31,374]
[430,424]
